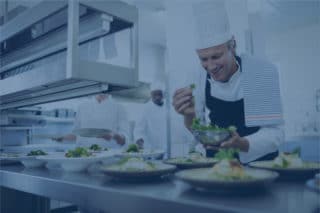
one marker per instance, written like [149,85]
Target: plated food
[95,147]
[137,168]
[193,160]
[76,160]
[226,175]
[133,148]
[78,153]
[210,134]
[38,152]
[289,165]
[134,151]
[9,158]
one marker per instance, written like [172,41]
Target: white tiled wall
[296,52]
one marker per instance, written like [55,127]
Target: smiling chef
[242,91]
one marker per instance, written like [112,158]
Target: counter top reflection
[100,192]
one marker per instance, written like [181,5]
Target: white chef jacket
[151,127]
[264,141]
[105,115]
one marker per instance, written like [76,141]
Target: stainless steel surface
[44,79]
[98,191]
[24,20]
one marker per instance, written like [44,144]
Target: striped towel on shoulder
[261,91]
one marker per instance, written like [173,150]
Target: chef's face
[157,97]
[218,61]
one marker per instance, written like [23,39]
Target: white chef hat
[157,85]
[211,23]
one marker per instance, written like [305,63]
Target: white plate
[9,158]
[92,132]
[32,162]
[308,170]
[199,178]
[27,161]
[73,164]
[117,171]
[311,184]
[182,162]
[146,154]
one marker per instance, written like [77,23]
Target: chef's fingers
[227,144]
[179,103]
[184,107]
[184,92]
[234,134]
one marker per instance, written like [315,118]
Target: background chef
[101,112]
[150,129]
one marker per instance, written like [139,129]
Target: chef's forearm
[265,141]
[70,137]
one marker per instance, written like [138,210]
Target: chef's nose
[211,66]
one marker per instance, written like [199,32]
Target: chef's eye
[215,57]
[204,59]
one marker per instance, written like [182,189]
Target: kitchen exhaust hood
[64,49]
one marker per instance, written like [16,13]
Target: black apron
[229,113]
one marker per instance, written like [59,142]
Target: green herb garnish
[133,148]
[226,154]
[78,152]
[36,153]
[297,151]
[95,147]
[197,126]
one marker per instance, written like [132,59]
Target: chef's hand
[183,103]
[117,137]
[235,142]
[107,137]
[140,143]
[70,137]
[57,139]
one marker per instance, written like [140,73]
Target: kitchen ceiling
[281,15]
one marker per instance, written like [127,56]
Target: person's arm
[140,131]
[122,133]
[69,137]
[265,141]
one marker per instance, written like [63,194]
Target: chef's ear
[232,45]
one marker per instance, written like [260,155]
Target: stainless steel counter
[94,190]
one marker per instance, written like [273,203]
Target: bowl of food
[210,134]
[137,169]
[31,161]
[76,160]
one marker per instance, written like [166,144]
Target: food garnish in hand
[196,125]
